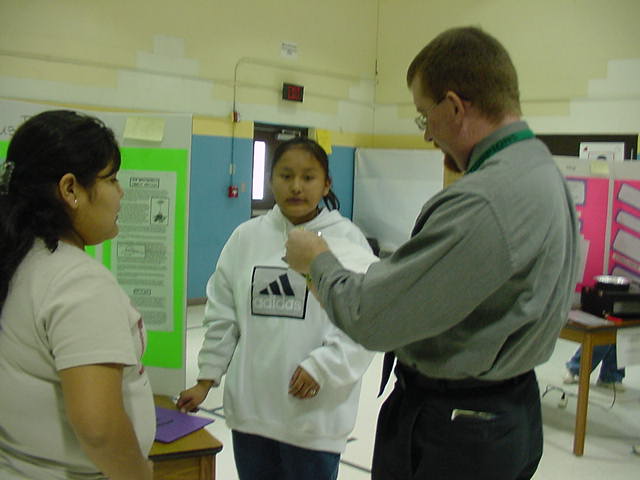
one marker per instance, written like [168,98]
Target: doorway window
[257,189]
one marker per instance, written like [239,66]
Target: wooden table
[192,457]
[588,337]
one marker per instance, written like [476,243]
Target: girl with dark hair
[311,147]
[76,402]
[292,379]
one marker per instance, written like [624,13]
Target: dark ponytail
[43,149]
[312,147]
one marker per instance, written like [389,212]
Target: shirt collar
[492,138]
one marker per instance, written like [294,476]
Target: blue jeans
[261,458]
[609,371]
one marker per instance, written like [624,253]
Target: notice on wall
[149,129]
[141,255]
[289,50]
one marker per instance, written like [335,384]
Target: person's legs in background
[610,375]
[573,365]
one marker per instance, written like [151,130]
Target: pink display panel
[591,196]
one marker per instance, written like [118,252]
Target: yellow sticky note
[600,168]
[144,128]
[323,137]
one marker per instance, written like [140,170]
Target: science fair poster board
[148,257]
[607,198]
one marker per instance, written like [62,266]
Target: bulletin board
[148,257]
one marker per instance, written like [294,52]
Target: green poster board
[165,348]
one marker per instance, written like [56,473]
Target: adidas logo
[275,294]
[280,287]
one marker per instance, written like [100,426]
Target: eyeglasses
[422,120]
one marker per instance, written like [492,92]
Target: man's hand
[303,246]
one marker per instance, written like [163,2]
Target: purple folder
[173,424]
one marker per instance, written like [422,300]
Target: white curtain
[390,188]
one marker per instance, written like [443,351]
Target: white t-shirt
[63,310]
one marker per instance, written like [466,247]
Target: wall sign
[291,92]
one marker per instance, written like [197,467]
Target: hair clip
[6,169]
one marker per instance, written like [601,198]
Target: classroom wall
[578,60]
[201,56]
[578,63]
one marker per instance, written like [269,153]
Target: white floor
[613,426]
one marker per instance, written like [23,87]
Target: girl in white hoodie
[293,379]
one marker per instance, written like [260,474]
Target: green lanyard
[501,145]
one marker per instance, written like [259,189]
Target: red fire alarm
[291,92]
[233,191]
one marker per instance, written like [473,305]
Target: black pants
[417,438]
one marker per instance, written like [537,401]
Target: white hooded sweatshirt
[262,323]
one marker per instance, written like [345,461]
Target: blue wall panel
[212,214]
[341,164]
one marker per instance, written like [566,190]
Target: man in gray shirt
[476,298]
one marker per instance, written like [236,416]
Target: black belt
[409,377]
